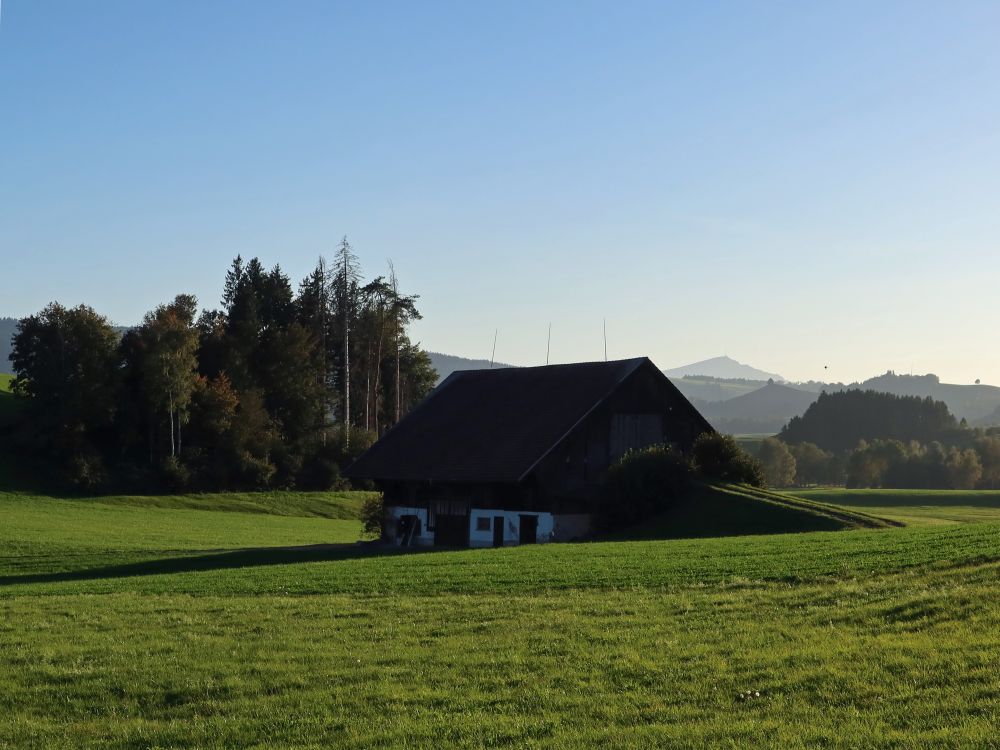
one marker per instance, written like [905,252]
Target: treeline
[838,421]
[278,388]
[871,439]
[889,464]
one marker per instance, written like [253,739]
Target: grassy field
[914,507]
[44,534]
[137,623]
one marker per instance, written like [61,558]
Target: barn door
[451,524]
[498,522]
[528,530]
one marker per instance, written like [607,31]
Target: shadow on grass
[226,560]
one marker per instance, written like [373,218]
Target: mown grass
[47,534]
[862,638]
[339,505]
[914,507]
[906,660]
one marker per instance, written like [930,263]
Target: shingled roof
[491,425]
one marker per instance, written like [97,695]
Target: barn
[515,456]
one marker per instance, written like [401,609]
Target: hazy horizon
[798,187]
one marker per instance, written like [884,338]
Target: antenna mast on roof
[605,339]
[494,354]
[548,344]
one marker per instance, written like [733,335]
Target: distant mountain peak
[723,367]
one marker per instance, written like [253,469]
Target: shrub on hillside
[641,484]
[174,476]
[372,513]
[255,472]
[85,472]
[718,456]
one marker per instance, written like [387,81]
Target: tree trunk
[347,355]
[324,404]
[398,402]
[170,414]
[378,360]
[368,384]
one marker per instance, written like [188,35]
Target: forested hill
[839,421]
[722,367]
[974,403]
[765,410]
[7,328]
[979,404]
[446,364]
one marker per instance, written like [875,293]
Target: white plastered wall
[560,528]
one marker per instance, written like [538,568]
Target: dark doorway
[498,531]
[528,530]
[451,531]
[408,527]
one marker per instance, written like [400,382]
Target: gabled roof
[492,425]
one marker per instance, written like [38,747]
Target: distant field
[711,389]
[750,443]
[8,404]
[9,408]
[914,507]
[132,622]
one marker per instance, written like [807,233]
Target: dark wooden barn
[515,456]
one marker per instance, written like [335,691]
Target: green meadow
[257,621]
[914,507]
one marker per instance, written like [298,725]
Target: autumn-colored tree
[169,363]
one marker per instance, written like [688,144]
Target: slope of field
[8,404]
[730,510]
[873,638]
[338,505]
[41,533]
[914,507]
[10,407]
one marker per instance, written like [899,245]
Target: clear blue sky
[795,184]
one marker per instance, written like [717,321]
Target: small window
[483,523]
